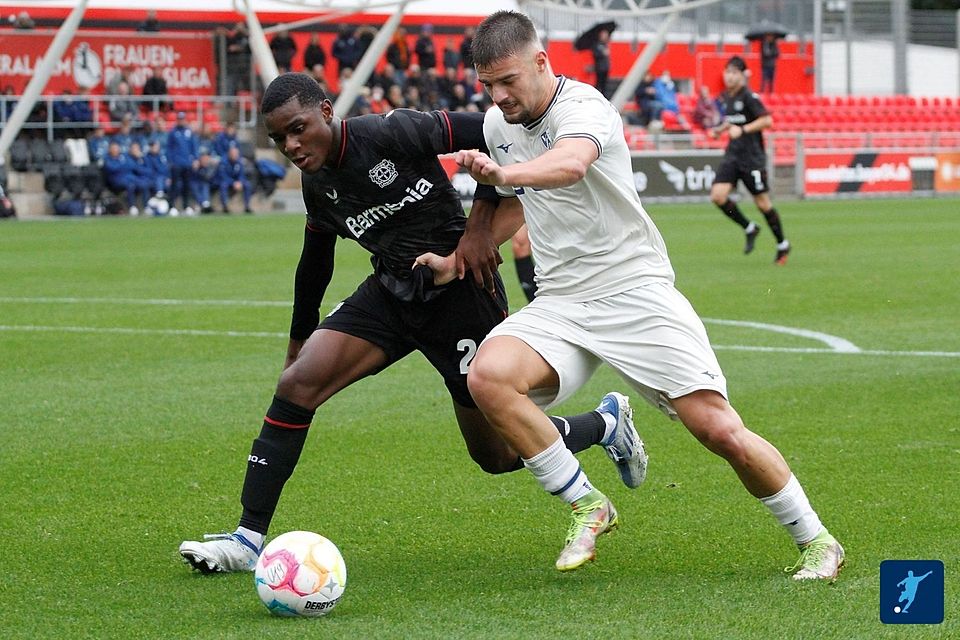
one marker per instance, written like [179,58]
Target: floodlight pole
[41,75]
[266,65]
[630,81]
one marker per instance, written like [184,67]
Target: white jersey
[593,238]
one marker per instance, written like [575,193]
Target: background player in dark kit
[376,180]
[745,118]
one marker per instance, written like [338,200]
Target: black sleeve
[314,272]
[467,133]
[756,107]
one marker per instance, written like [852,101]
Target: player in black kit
[376,179]
[745,159]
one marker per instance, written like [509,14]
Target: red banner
[857,173]
[92,59]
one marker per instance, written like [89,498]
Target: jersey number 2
[471,350]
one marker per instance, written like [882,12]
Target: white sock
[251,535]
[792,509]
[783,245]
[751,227]
[559,472]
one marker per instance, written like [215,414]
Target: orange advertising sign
[947,176]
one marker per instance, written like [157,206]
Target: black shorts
[447,329]
[754,177]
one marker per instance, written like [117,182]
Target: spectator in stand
[124,75]
[155,130]
[414,99]
[207,140]
[426,51]
[125,135]
[365,36]
[123,104]
[68,110]
[395,97]
[648,107]
[182,154]
[314,53]
[383,78]
[142,174]
[398,54]
[150,24]
[98,145]
[284,49]
[666,91]
[415,78]
[232,178]
[23,21]
[466,54]
[601,61]
[156,85]
[202,180]
[118,173]
[706,113]
[159,169]
[451,55]
[9,101]
[238,59]
[361,104]
[226,139]
[446,83]
[378,103]
[346,48]
[769,53]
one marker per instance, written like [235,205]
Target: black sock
[732,211]
[580,432]
[525,274]
[773,220]
[271,461]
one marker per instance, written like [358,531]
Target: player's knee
[718,198]
[485,380]
[723,435]
[299,389]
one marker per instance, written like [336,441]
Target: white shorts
[650,335]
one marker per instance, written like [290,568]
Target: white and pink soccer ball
[300,574]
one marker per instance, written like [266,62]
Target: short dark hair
[292,85]
[501,34]
[737,63]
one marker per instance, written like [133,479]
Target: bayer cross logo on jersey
[383,174]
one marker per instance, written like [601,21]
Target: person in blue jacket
[120,174]
[159,169]
[202,179]
[225,139]
[182,154]
[233,178]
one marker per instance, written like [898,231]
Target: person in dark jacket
[283,48]
[426,51]
[182,154]
[119,172]
[314,54]
[232,178]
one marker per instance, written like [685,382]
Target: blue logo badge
[911,592]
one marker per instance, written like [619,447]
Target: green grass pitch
[137,357]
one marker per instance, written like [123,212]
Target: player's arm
[313,275]
[563,165]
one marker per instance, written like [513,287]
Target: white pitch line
[272,335]
[834,342]
[148,301]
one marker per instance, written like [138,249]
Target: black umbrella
[588,39]
[759,32]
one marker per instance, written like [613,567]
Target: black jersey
[742,108]
[388,191]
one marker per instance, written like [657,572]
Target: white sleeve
[586,117]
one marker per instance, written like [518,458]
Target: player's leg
[763,202]
[456,322]
[766,475]
[328,362]
[504,373]
[523,261]
[720,191]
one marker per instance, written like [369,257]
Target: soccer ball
[158,206]
[300,574]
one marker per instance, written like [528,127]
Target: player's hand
[293,350]
[712,133]
[479,253]
[735,131]
[444,268]
[481,167]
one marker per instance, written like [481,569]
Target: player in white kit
[605,295]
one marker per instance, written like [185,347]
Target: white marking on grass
[834,344]
[171,302]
